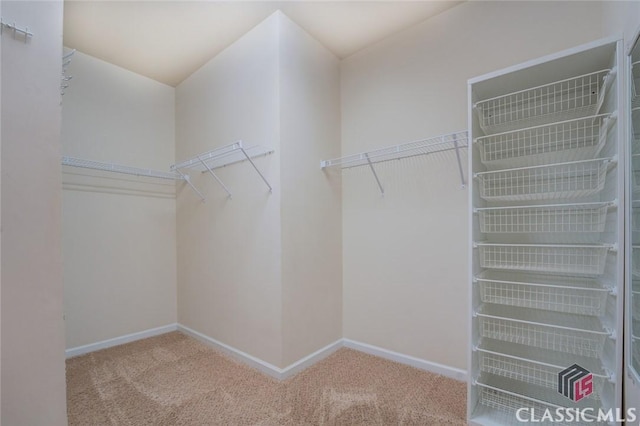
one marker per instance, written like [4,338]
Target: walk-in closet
[319,213]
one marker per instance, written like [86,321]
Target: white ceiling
[169,40]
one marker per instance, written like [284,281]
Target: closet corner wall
[118,230]
[546,212]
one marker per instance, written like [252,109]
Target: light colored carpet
[174,379]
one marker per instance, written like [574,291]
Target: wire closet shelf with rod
[545,267]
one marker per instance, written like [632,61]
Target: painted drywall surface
[405,272]
[119,231]
[33,372]
[311,200]
[621,18]
[229,250]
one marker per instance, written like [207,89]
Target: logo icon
[575,382]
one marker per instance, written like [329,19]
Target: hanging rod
[449,142]
[224,156]
[15,30]
[116,168]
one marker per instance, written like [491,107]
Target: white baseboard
[84,349]
[433,367]
[263,366]
[310,359]
[270,369]
[254,362]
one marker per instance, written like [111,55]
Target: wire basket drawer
[577,336]
[635,305]
[571,140]
[507,403]
[635,219]
[635,261]
[531,372]
[580,260]
[562,100]
[508,396]
[561,180]
[568,218]
[582,296]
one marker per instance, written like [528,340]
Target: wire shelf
[562,100]
[410,149]
[566,259]
[572,334]
[116,168]
[570,295]
[222,157]
[553,181]
[532,372]
[562,218]
[572,140]
[505,395]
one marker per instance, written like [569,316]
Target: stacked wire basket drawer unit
[546,274]
[633,357]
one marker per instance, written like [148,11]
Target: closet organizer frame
[220,157]
[536,307]
[448,142]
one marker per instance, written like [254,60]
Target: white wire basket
[582,296]
[505,402]
[635,261]
[571,334]
[559,218]
[635,175]
[562,100]
[532,372]
[635,349]
[505,395]
[635,219]
[572,140]
[566,259]
[553,181]
[635,305]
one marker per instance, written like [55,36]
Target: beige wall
[33,381]
[621,18]
[119,231]
[311,212]
[262,272]
[405,262]
[229,250]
